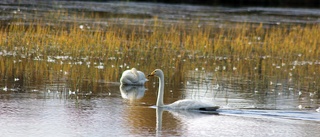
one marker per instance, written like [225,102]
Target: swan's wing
[188,104]
[142,77]
[127,77]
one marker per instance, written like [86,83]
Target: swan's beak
[151,75]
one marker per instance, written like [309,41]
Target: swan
[185,104]
[133,77]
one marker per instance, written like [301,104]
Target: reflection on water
[159,112]
[38,117]
[132,92]
[238,122]
[109,114]
[237,92]
[178,114]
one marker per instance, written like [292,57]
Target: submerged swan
[185,104]
[133,77]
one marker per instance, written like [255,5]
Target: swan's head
[134,70]
[157,73]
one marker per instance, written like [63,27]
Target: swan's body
[133,77]
[185,104]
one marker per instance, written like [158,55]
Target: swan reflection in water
[131,92]
[180,115]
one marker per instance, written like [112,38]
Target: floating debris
[72,92]
[5,88]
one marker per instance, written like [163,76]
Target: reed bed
[86,53]
[243,40]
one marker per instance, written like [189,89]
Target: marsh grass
[73,51]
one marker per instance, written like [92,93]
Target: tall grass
[179,47]
[243,40]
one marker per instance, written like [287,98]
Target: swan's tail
[214,108]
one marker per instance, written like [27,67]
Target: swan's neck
[136,75]
[160,92]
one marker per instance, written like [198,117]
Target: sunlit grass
[243,40]
[250,50]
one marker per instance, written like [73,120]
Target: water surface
[108,114]
[49,103]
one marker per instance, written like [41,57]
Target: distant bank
[236,3]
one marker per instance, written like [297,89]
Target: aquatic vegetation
[84,53]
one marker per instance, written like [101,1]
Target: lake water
[48,106]
[117,113]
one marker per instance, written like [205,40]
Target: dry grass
[255,51]
[243,40]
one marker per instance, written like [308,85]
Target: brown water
[48,103]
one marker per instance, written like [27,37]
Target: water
[51,106]
[110,114]
[130,12]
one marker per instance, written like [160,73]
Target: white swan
[186,104]
[133,77]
